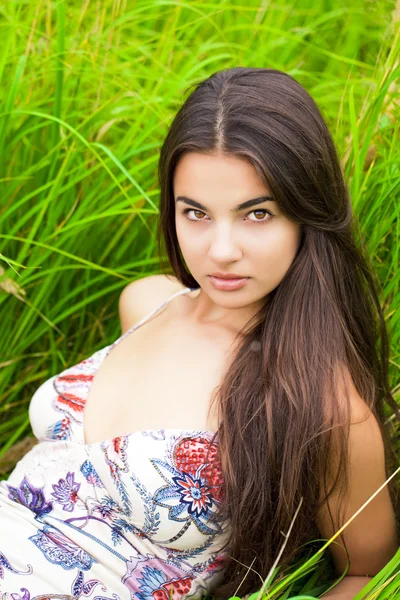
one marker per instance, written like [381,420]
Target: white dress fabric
[126,518]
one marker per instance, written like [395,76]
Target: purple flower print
[26,595]
[80,588]
[66,492]
[31,497]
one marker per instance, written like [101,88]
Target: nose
[223,246]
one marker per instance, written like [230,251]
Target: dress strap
[153,312]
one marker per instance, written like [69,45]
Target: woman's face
[257,242]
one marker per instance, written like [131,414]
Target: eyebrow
[237,208]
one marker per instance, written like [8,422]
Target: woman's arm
[371,538]
[347,588]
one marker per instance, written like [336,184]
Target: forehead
[210,173]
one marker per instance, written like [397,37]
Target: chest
[162,375]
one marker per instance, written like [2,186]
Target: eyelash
[187,210]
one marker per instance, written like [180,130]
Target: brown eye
[262,212]
[187,210]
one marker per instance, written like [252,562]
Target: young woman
[241,404]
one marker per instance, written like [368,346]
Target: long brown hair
[284,425]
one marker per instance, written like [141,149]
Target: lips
[226,285]
[230,276]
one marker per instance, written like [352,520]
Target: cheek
[276,249]
[185,241]
[183,238]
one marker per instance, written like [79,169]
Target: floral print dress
[125,518]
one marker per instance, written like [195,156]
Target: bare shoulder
[360,410]
[138,298]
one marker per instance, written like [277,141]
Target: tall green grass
[87,94]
